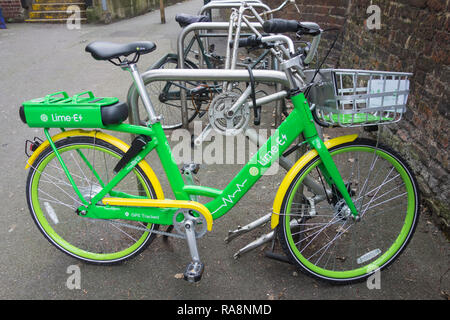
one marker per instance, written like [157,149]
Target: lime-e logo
[254,171]
[44,118]
[65,118]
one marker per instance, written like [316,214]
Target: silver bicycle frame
[237,20]
[181,60]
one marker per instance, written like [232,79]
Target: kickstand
[276,256]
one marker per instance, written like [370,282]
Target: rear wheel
[53,202]
[318,232]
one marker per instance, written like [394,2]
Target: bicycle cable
[256,109]
[311,83]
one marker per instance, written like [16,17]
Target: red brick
[436,5]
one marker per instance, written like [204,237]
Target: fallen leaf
[445,295]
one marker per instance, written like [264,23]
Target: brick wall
[329,14]
[12,10]
[414,37]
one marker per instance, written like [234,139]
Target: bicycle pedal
[194,271]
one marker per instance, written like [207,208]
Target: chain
[147,230]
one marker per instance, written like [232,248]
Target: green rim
[384,258]
[57,239]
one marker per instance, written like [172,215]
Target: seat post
[139,83]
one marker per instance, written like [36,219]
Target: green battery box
[83,110]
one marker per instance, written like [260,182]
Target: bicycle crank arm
[199,140]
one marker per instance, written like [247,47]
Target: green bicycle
[345,209]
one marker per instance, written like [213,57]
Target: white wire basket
[354,98]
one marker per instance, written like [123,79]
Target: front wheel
[317,230]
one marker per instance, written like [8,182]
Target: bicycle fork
[328,167]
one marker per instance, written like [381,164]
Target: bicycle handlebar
[284,26]
[252,41]
[280,26]
[255,41]
[301,28]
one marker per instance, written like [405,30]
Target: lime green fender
[292,173]
[106,137]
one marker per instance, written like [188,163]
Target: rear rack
[59,110]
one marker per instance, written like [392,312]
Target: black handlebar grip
[280,26]
[252,41]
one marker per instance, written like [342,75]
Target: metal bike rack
[264,76]
[181,61]
[231,4]
[206,26]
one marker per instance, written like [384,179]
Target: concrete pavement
[41,59]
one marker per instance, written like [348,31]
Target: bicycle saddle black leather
[108,50]
[187,19]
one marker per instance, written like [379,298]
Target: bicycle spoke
[54,201]
[327,246]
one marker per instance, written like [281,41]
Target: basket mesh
[350,98]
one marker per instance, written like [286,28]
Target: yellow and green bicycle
[345,209]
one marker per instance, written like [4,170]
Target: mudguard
[108,138]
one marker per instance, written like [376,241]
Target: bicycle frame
[174,95]
[162,211]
